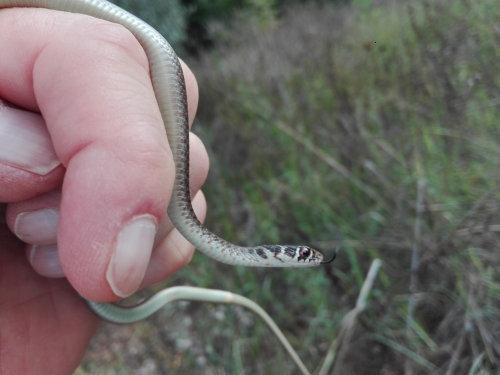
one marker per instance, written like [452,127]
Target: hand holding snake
[88,158]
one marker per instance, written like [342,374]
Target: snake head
[291,256]
[308,254]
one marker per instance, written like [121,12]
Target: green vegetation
[168,17]
[191,25]
[321,127]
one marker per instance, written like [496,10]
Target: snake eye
[305,253]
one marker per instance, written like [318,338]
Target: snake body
[169,87]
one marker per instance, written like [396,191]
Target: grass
[319,130]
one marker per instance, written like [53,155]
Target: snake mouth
[329,261]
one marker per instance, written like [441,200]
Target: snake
[170,91]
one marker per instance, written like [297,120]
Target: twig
[347,329]
[415,259]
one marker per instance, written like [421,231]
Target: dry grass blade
[478,230]
[456,355]
[331,162]
[485,332]
[429,257]
[415,259]
[345,334]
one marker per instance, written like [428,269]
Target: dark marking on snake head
[305,253]
[275,249]
[290,251]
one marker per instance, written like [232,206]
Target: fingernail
[25,141]
[45,260]
[37,227]
[131,257]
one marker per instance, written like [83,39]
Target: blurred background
[373,126]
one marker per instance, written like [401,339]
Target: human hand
[104,203]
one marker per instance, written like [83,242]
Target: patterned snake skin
[170,90]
